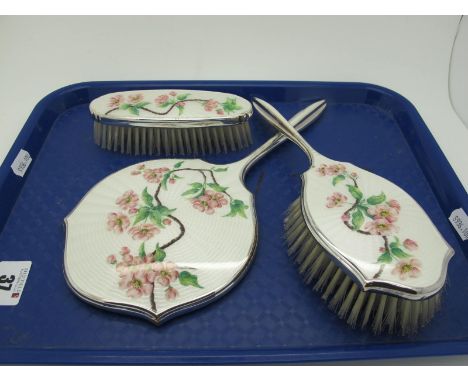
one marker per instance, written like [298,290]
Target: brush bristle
[172,141]
[377,311]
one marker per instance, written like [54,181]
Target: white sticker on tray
[13,276]
[459,221]
[21,163]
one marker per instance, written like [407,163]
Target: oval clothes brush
[364,243]
[166,236]
[170,121]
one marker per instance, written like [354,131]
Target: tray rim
[449,198]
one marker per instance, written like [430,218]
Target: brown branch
[111,110]
[181,226]
[382,266]
[164,112]
[352,208]
[379,273]
[182,232]
[153,301]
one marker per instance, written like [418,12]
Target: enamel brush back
[377,231]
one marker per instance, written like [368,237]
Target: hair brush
[366,245]
[172,122]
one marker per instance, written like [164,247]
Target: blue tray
[271,316]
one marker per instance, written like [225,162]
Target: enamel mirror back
[161,237]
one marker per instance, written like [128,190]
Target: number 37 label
[13,276]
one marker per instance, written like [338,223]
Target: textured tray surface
[270,315]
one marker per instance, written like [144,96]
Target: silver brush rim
[379,311]
[174,123]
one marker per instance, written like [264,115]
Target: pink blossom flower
[137,260]
[154,175]
[127,259]
[345,217]
[135,98]
[394,204]
[336,169]
[167,273]
[383,211]
[143,231]
[405,269]
[209,201]
[151,276]
[380,227]
[336,200]
[134,172]
[124,251]
[172,93]
[181,104]
[116,101]
[167,221]
[111,259]
[354,175]
[117,222]
[122,267]
[133,211]
[171,293]
[211,104]
[172,181]
[220,111]
[382,249]
[148,259]
[162,99]
[322,170]
[137,283]
[128,200]
[410,245]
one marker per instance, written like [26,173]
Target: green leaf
[364,210]
[139,105]
[357,219]
[178,164]
[141,250]
[394,244]
[217,187]
[385,258]
[176,176]
[188,279]
[155,217]
[124,106]
[133,110]
[159,254]
[190,191]
[398,253]
[376,199]
[147,198]
[181,109]
[142,214]
[165,104]
[196,187]
[337,179]
[355,192]
[219,169]
[230,105]
[158,213]
[237,208]
[182,97]
[164,179]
